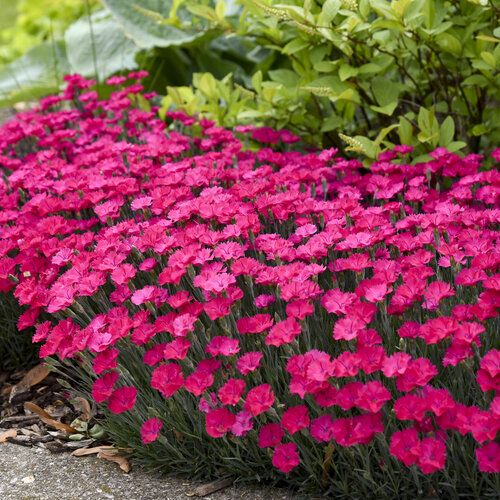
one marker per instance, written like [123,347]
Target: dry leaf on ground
[6,389]
[82,452]
[83,406]
[207,489]
[4,436]
[33,377]
[36,375]
[118,459]
[47,418]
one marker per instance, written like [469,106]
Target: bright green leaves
[33,75]
[449,43]
[446,131]
[328,12]
[386,95]
[364,146]
[147,23]
[428,131]
[172,39]
[428,66]
[99,46]
[429,127]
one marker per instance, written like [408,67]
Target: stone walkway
[34,473]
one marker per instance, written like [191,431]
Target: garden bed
[239,306]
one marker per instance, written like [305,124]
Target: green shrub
[421,72]
[170,40]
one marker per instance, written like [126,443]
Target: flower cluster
[289,294]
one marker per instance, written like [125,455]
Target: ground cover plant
[241,307]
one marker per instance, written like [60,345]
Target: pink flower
[259,399]
[141,202]
[405,446]
[105,360]
[222,346]
[150,430]
[490,363]
[177,349]
[396,364]
[347,328]
[213,281]
[286,457]
[432,455]
[488,457]
[283,332]
[218,307]
[243,423]
[410,407]
[357,430]
[299,309]
[264,300]
[146,294]
[249,362]
[154,355]
[218,422]
[198,382]
[183,324]
[230,393]
[372,396]
[322,428]
[103,387]
[168,379]
[335,301]
[122,399]
[254,324]
[435,292]
[295,419]
[270,435]
[418,373]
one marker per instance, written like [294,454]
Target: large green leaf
[99,45]
[145,22]
[36,73]
[385,91]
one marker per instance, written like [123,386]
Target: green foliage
[424,72]
[363,74]
[172,39]
[98,45]
[16,349]
[38,21]
[144,22]
[230,103]
[36,73]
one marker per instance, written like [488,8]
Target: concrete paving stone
[35,473]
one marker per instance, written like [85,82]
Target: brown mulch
[35,410]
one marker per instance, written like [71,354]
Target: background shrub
[101,38]
[361,74]
[423,73]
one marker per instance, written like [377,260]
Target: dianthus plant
[309,312]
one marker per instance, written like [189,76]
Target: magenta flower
[122,399]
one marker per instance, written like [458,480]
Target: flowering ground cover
[244,308]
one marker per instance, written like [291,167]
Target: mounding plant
[239,307]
